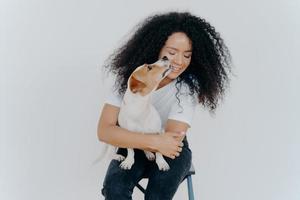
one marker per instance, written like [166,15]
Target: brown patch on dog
[136,85]
[145,78]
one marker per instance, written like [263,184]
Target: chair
[189,183]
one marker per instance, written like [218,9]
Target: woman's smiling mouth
[176,69]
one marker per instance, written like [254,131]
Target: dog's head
[146,78]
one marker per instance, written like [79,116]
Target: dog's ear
[136,85]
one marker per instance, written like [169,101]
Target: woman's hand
[170,144]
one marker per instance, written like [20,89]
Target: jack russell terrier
[138,114]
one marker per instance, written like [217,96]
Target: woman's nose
[178,60]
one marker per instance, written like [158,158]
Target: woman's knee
[117,186]
[118,183]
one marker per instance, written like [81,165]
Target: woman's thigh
[164,184]
[119,183]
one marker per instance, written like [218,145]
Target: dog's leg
[150,156]
[116,156]
[161,162]
[129,160]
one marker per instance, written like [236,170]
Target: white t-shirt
[166,103]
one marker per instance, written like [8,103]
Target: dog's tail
[102,155]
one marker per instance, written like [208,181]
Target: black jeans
[162,185]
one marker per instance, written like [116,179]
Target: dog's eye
[149,67]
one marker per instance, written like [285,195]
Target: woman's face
[178,49]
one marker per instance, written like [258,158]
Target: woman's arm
[168,144]
[176,126]
[110,133]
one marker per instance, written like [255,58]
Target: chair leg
[141,188]
[190,187]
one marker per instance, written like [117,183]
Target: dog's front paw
[162,164]
[150,156]
[127,163]
[118,157]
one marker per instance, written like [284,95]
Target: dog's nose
[165,58]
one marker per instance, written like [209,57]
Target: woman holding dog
[200,67]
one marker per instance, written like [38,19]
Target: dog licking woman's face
[147,77]
[178,49]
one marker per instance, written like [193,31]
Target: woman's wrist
[152,142]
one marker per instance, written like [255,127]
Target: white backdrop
[52,91]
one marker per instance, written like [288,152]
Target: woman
[200,63]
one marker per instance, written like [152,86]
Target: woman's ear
[136,85]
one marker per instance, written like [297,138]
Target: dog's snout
[165,58]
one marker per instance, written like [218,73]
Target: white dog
[136,111]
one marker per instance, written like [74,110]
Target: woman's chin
[173,75]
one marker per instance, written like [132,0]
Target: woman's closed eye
[172,53]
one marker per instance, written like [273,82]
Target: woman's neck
[164,82]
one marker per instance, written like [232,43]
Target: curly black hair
[207,74]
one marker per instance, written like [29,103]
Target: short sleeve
[183,110]
[113,97]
